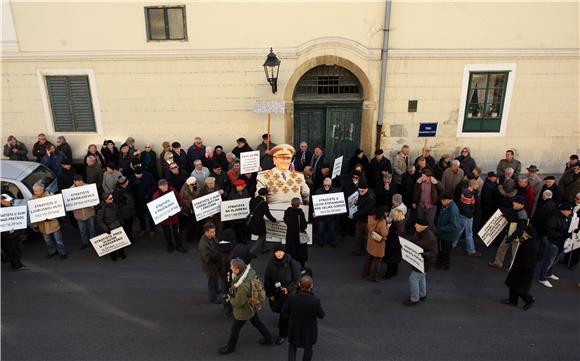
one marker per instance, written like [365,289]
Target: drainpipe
[384,54]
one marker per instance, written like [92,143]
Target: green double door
[336,128]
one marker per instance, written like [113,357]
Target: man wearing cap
[447,230]
[557,228]
[509,162]
[143,186]
[195,152]
[170,225]
[179,155]
[239,225]
[12,240]
[426,196]
[241,147]
[425,239]
[378,168]
[534,180]
[126,203]
[85,217]
[518,221]
[366,203]
[572,162]
[283,184]
[550,185]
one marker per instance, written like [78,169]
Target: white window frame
[44,97]
[469,68]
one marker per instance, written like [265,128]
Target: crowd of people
[436,204]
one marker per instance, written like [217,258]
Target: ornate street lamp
[271,67]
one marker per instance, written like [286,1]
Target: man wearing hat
[378,168]
[283,184]
[126,203]
[366,203]
[179,155]
[170,226]
[447,230]
[239,225]
[425,239]
[489,197]
[518,221]
[557,228]
[534,180]
[550,185]
[143,186]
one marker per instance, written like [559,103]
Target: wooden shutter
[71,104]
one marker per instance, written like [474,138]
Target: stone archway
[368,106]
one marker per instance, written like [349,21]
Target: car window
[40,174]
[12,190]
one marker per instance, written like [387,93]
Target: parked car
[17,179]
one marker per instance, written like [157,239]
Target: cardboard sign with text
[80,197]
[337,168]
[42,209]
[235,209]
[13,218]
[352,207]
[412,254]
[249,162]
[107,243]
[276,232]
[207,205]
[163,207]
[328,204]
[492,228]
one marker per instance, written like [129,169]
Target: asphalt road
[152,306]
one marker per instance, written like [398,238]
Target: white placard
[328,204]
[337,167]
[412,254]
[269,106]
[235,209]
[276,232]
[207,205]
[492,228]
[573,223]
[352,207]
[249,162]
[41,209]
[107,243]
[80,197]
[13,218]
[163,207]
[572,243]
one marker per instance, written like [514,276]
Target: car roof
[14,169]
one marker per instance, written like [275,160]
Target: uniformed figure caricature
[282,183]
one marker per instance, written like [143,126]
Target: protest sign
[12,218]
[352,207]
[328,204]
[337,168]
[412,254]
[269,106]
[163,207]
[235,209]
[276,232]
[492,228]
[80,197]
[107,243]
[42,209]
[249,162]
[207,205]
[572,243]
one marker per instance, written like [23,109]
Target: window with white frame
[485,99]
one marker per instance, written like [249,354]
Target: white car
[17,179]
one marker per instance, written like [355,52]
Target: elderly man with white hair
[50,228]
[452,176]
[546,208]
[508,173]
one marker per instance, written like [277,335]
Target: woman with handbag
[378,230]
[296,237]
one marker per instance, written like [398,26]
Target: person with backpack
[246,297]
[280,281]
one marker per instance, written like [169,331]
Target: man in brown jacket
[427,194]
[85,217]
[425,239]
[49,228]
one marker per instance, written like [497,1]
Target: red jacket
[530,196]
[174,219]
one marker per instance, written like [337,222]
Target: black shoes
[225,350]
[509,302]
[423,299]
[528,305]
[181,249]
[50,255]
[410,303]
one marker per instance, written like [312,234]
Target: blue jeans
[87,230]
[58,240]
[417,285]
[466,224]
[326,230]
[551,252]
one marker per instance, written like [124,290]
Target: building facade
[492,75]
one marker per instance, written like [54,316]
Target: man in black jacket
[557,228]
[378,168]
[326,225]
[518,221]
[425,239]
[256,224]
[366,203]
[12,241]
[126,202]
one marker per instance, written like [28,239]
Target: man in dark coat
[303,310]
[466,162]
[326,225]
[550,185]
[378,168]
[64,147]
[425,239]
[447,230]
[385,190]
[256,225]
[39,148]
[195,152]
[241,147]
[12,240]
[211,260]
[280,281]
[142,185]
[489,197]
[302,158]
[53,159]
[521,272]
[108,218]
[126,202]
[546,209]
[176,176]
[15,150]
[557,228]
[366,203]
[296,223]
[179,156]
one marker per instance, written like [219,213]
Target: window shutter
[70,101]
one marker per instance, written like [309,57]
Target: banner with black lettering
[235,209]
[163,207]
[107,243]
[328,204]
[13,218]
[80,197]
[207,205]
[42,209]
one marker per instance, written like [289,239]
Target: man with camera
[280,281]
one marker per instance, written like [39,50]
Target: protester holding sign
[126,202]
[239,225]
[296,223]
[170,225]
[12,241]
[393,254]
[378,230]
[521,273]
[518,218]
[256,225]
[85,217]
[326,225]
[365,204]
[109,218]
[211,187]
[188,193]
[49,228]
[425,239]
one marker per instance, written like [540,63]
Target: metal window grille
[327,80]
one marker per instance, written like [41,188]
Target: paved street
[152,306]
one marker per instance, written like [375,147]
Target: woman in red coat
[170,225]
